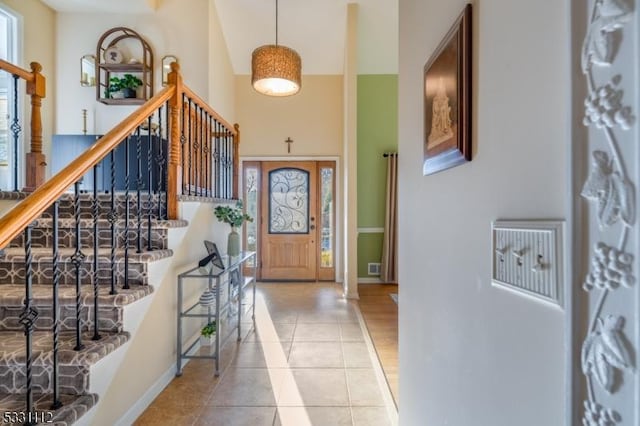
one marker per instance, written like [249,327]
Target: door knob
[312,218]
[312,227]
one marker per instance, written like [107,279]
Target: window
[8,52]
[326,217]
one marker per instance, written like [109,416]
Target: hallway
[309,361]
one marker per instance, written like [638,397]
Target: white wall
[470,353]
[221,76]
[313,118]
[172,30]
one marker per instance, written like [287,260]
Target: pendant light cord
[276,22]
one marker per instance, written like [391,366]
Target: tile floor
[309,361]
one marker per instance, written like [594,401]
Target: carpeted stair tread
[17,254]
[74,406]
[14,295]
[110,307]
[87,223]
[12,347]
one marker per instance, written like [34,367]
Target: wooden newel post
[174,179]
[36,161]
[236,162]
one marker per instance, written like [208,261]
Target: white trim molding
[370,280]
[606,162]
[370,230]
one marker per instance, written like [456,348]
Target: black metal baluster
[77,260]
[207,154]
[15,129]
[127,210]
[201,174]
[183,144]
[190,160]
[232,164]
[225,165]
[139,190]
[112,217]
[165,160]
[160,162]
[28,318]
[96,213]
[149,185]
[193,154]
[216,158]
[56,309]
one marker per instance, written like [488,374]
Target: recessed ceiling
[314,28]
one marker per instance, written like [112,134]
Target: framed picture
[447,99]
[213,256]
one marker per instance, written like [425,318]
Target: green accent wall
[369,250]
[377,134]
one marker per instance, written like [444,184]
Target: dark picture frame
[213,256]
[447,99]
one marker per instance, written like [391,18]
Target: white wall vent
[528,258]
[373,268]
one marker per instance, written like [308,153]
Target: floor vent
[373,268]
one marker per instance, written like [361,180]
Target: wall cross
[289,141]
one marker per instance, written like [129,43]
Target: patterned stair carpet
[74,366]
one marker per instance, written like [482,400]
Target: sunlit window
[8,52]
[251,207]
[327,227]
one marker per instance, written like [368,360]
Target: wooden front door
[289,233]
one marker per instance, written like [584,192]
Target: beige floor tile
[284,333]
[356,355]
[363,388]
[158,415]
[311,334]
[282,317]
[350,332]
[314,387]
[370,416]
[249,387]
[236,416]
[313,416]
[317,333]
[262,355]
[315,317]
[316,355]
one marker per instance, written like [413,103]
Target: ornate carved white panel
[607,159]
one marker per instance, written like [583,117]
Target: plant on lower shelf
[207,333]
[208,330]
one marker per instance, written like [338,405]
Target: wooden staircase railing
[187,149]
[36,88]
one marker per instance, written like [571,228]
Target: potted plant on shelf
[123,87]
[207,334]
[235,217]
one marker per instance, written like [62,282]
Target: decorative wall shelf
[114,62]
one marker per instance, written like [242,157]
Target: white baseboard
[369,280]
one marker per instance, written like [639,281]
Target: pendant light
[276,70]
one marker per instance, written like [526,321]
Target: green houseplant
[207,333]
[127,85]
[235,217]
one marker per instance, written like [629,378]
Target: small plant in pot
[124,87]
[207,334]
[235,217]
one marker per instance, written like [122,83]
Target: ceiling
[314,28]
[102,6]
